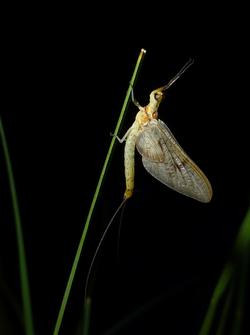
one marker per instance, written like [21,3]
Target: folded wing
[164,159]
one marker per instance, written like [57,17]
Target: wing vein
[163,158]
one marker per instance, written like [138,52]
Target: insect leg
[118,138]
[133,97]
[124,137]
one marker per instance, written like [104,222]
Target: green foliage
[27,311]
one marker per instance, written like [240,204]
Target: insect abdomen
[129,162]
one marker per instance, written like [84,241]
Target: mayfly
[162,156]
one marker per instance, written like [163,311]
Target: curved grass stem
[104,169]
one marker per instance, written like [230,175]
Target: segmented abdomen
[129,162]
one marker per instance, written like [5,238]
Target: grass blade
[241,296]
[104,169]
[86,317]
[28,320]
[239,249]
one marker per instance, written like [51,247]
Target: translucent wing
[164,159]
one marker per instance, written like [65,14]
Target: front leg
[135,102]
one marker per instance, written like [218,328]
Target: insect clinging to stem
[162,156]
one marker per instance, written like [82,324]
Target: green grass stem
[240,248]
[104,169]
[26,301]
[86,317]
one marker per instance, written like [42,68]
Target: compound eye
[157,96]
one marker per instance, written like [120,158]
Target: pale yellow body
[131,135]
[129,160]
[162,156]
[141,120]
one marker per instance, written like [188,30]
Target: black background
[65,76]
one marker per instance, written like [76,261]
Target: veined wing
[164,159]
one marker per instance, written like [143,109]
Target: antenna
[185,67]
